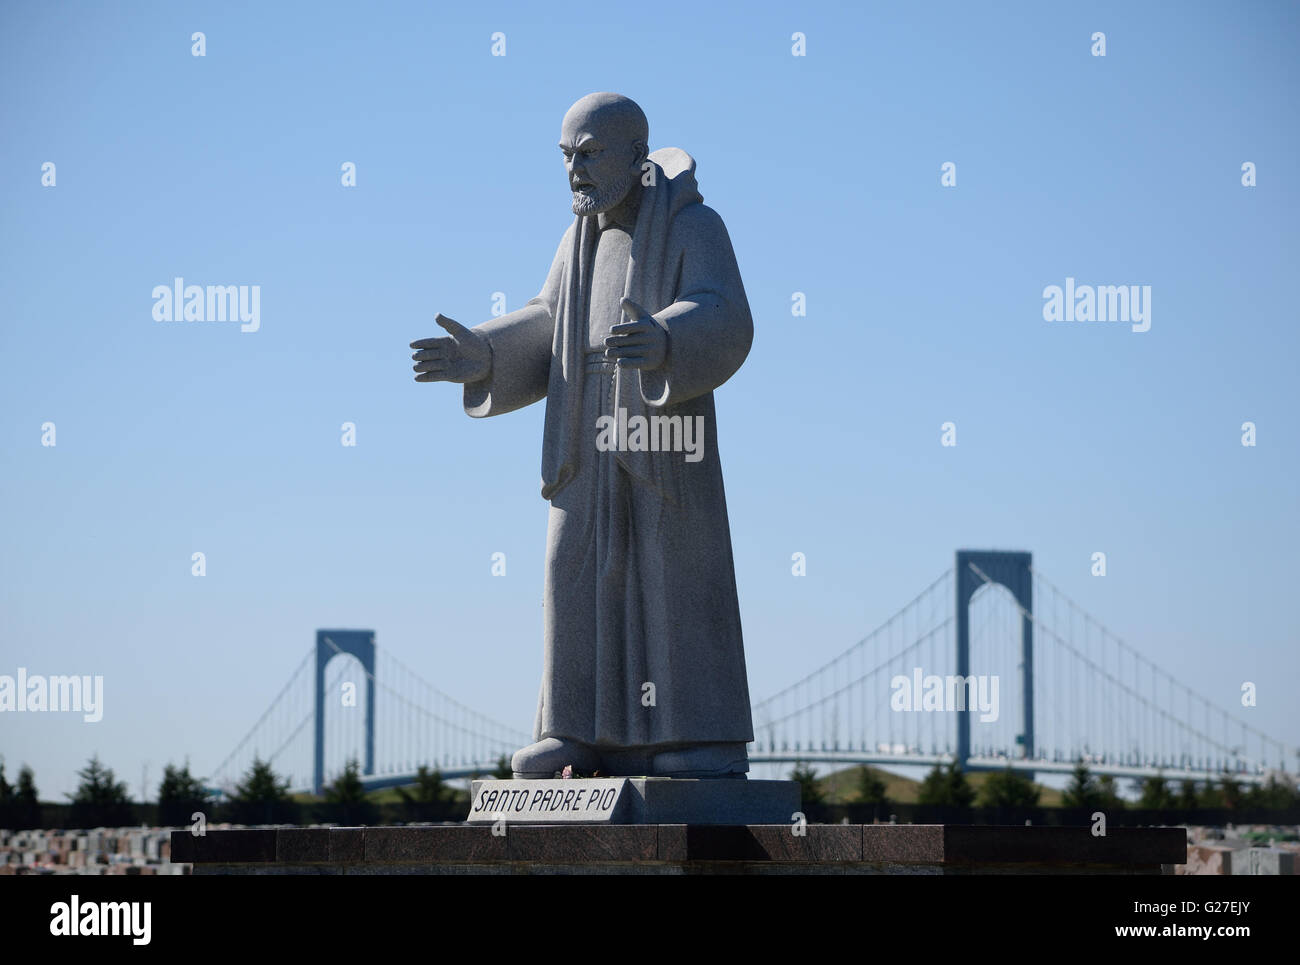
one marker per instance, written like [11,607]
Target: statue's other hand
[638,344]
[462,355]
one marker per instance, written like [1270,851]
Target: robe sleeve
[709,325]
[521,349]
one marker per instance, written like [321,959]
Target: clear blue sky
[924,306]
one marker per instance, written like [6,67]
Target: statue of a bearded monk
[642,316]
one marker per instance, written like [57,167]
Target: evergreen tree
[262,798]
[1008,789]
[1188,799]
[349,795]
[1272,795]
[503,771]
[27,804]
[1230,792]
[933,789]
[810,793]
[871,789]
[429,799]
[429,788]
[1211,796]
[180,795]
[1108,794]
[7,799]
[946,787]
[1154,794]
[100,799]
[959,789]
[1082,791]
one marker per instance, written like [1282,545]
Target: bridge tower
[360,644]
[1011,570]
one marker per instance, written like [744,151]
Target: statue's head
[604,138]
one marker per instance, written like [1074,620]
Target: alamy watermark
[1103,303]
[923,691]
[179,302]
[656,433]
[55,694]
[74,917]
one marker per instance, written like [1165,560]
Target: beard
[603,198]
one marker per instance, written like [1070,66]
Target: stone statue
[642,316]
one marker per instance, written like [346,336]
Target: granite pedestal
[682,849]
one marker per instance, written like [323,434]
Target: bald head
[604,138]
[614,114]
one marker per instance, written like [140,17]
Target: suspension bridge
[990,666]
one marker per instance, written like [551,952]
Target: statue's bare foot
[550,755]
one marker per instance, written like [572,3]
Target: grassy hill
[841,787]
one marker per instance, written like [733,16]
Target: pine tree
[1082,791]
[27,804]
[959,789]
[1211,796]
[429,799]
[1272,795]
[1230,791]
[429,788]
[946,787]
[1155,794]
[180,795]
[871,789]
[1007,789]
[7,798]
[100,799]
[503,772]
[933,789]
[810,793]
[262,798]
[1108,795]
[349,795]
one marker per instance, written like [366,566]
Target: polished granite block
[682,849]
[241,845]
[450,843]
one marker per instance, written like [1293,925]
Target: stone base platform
[922,849]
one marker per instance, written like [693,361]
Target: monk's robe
[640,584]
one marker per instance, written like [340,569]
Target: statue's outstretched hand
[639,344]
[460,356]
